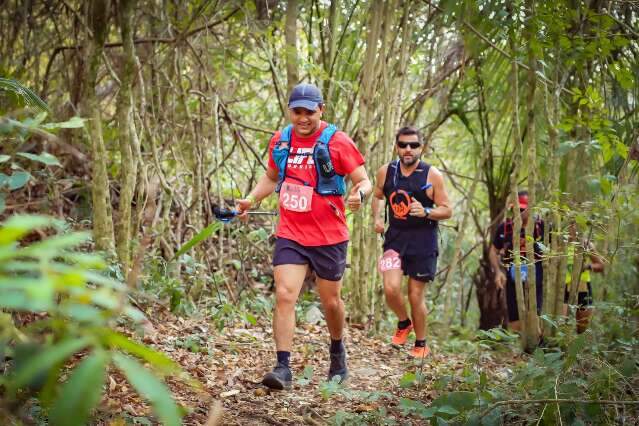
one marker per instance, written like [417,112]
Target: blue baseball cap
[305,95]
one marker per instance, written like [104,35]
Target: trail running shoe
[401,335]
[419,352]
[338,366]
[280,378]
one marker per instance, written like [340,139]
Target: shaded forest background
[132,120]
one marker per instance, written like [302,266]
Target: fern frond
[26,94]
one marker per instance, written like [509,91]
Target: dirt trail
[230,366]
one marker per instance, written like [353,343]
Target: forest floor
[230,365]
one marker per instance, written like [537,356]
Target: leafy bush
[16,167]
[76,309]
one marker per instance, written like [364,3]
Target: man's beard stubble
[412,162]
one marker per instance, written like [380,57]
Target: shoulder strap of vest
[327,134]
[424,165]
[393,167]
[285,134]
[280,155]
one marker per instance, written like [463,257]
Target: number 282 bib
[389,260]
[296,198]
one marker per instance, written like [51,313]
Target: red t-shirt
[325,223]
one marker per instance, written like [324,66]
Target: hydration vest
[537,235]
[328,181]
[409,235]
[585,274]
[415,186]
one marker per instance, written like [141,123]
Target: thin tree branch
[499,49]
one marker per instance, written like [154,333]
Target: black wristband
[362,196]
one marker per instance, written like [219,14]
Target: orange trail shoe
[401,335]
[419,352]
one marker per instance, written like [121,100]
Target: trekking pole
[222,215]
[227,215]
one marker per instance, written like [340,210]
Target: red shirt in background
[325,223]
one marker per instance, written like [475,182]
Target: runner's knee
[332,303]
[415,298]
[392,290]
[416,292]
[285,295]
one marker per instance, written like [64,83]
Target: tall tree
[359,280]
[292,74]
[97,12]
[532,321]
[127,134]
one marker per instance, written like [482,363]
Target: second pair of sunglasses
[404,145]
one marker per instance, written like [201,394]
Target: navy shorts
[328,262]
[417,250]
[420,268]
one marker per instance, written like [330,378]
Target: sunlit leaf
[44,158]
[72,123]
[201,236]
[81,392]
[46,359]
[18,179]
[19,225]
[151,388]
[155,358]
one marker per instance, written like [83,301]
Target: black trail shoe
[280,378]
[338,366]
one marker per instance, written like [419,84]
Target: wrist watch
[362,196]
[427,211]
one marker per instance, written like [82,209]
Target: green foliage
[376,417]
[18,167]
[198,238]
[82,306]
[22,93]
[307,376]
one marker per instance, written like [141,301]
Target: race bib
[296,198]
[390,260]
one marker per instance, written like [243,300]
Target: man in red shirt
[308,162]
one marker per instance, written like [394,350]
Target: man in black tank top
[416,200]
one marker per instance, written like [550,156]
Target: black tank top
[411,234]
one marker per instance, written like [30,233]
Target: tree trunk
[97,17]
[554,280]
[292,75]
[359,280]
[127,135]
[532,321]
[519,289]
[329,60]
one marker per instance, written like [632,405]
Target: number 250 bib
[296,198]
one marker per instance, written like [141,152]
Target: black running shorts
[328,262]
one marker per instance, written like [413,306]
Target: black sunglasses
[404,145]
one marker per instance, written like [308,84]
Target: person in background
[592,263]
[502,246]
